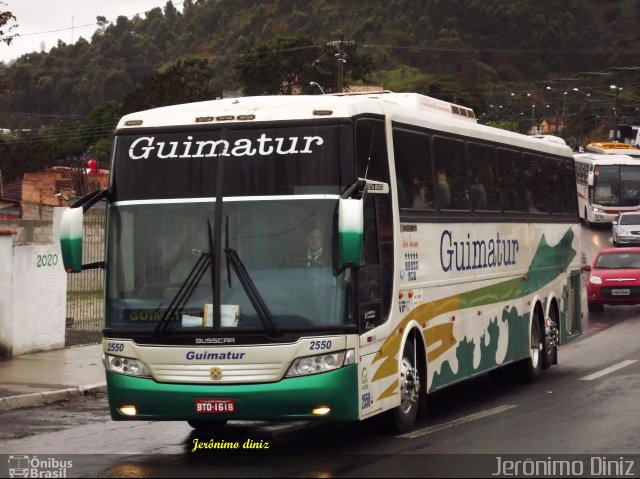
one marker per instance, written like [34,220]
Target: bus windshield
[155,248]
[617,185]
[277,218]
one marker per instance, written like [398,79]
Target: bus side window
[570,181]
[451,180]
[483,189]
[510,172]
[414,172]
[536,184]
[557,190]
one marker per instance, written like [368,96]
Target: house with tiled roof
[550,125]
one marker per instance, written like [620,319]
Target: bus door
[374,279]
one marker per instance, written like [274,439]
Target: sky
[42,22]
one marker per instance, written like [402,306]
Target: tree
[184,81]
[288,64]
[6,18]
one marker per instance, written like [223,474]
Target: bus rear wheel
[550,343]
[532,366]
[595,307]
[208,426]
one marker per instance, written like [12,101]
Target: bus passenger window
[451,184]
[536,184]
[413,169]
[510,171]
[483,190]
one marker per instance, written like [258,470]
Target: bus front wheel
[208,426]
[404,416]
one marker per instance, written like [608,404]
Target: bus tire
[595,307]
[403,417]
[208,426]
[532,366]
[587,223]
[550,343]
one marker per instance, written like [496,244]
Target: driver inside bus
[313,253]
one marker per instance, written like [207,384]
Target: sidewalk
[41,378]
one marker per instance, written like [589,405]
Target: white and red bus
[607,185]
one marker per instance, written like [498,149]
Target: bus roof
[612,148]
[609,159]
[409,108]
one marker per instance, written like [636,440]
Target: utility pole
[341,57]
[615,111]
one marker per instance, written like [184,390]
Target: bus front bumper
[599,216]
[288,399]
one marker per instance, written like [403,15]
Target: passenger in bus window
[478,194]
[443,193]
[423,197]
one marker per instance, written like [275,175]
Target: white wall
[39,298]
[6,293]
[33,297]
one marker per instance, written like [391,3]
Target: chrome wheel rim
[536,344]
[409,386]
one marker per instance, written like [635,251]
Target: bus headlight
[128,366]
[595,280]
[320,363]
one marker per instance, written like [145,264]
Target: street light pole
[341,57]
[533,111]
[316,84]
[582,104]
[615,111]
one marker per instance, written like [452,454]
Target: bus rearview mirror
[71,237]
[350,232]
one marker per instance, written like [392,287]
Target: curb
[47,397]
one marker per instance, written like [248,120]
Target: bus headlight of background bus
[321,363]
[128,366]
[595,280]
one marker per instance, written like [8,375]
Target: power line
[85,25]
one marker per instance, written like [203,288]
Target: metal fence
[85,299]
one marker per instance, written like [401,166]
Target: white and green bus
[452,251]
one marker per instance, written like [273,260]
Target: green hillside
[500,57]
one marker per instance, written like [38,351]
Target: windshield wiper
[249,286]
[184,293]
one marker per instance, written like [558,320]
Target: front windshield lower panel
[277,218]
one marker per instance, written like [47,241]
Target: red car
[614,278]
